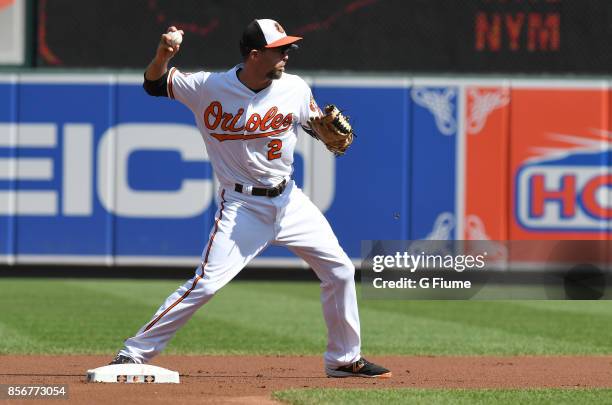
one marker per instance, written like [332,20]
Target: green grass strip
[67,316]
[444,396]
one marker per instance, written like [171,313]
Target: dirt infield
[251,379]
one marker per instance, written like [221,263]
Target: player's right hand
[165,49]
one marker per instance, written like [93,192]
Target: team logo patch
[279,28]
[313,105]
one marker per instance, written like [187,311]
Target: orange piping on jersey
[170,91]
[215,231]
[198,277]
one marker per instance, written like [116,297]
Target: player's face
[274,61]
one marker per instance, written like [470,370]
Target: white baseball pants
[244,226]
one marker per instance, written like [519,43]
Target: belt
[264,192]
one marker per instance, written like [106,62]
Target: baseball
[175,38]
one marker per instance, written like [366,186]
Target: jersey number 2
[275,146]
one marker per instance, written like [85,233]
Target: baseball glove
[333,129]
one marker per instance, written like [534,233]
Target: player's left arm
[330,126]
[308,109]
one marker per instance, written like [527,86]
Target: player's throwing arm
[169,45]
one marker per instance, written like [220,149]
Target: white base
[132,373]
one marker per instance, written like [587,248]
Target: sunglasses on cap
[285,48]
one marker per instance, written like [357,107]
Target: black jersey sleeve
[157,88]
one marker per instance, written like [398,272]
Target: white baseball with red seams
[250,137]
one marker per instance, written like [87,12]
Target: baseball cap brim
[283,41]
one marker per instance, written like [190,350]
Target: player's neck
[251,80]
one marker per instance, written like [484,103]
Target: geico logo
[115,147]
[565,197]
[78,183]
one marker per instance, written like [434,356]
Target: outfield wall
[94,171]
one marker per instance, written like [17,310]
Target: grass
[443,397]
[50,316]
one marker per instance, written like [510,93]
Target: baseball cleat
[121,359]
[360,368]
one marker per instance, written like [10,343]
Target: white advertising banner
[12,31]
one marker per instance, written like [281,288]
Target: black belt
[264,192]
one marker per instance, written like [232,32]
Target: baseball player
[249,117]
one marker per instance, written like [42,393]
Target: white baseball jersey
[250,137]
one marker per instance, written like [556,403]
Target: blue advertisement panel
[434,133]
[372,193]
[58,205]
[107,174]
[164,203]
[93,170]
[8,134]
